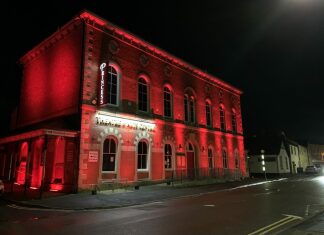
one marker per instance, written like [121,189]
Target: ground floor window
[225,163]
[109,155]
[210,158]
[167,156]
[142,151]
[236,159]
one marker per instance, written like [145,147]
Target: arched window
[113,85]
[210,158]
[167,97]
[142,152]
[236,159]
[143,98]
[189,108]
[208,114]
[225,162]
[234,126]
[167,156]
[109,155]
[222,118]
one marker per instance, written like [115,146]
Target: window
[109,155]
[167,96]
[208,114]
[186,108]
[222,118]
[236,159]
[225,164]
[167,156]
[142,151]
[142,95]
[234,126]
[189,108]
[287,167]
[113,84]
[210,158]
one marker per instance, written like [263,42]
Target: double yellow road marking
[275,225]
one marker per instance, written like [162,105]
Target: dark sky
[271,49]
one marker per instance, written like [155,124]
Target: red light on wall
[56,187]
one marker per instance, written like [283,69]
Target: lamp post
[263,164]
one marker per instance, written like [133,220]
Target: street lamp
[263,164]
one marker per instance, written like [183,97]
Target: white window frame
[147,157]
[116,153]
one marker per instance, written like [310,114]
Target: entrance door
[22,160]
[190,162]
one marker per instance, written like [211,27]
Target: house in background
[304,159]
[276,158]
[292,150]
[316,154]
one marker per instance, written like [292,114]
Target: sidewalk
[128,196]
[314,225]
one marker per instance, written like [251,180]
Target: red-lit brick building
[98,103]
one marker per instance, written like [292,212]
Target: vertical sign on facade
[102,85]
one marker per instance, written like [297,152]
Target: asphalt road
[260,209]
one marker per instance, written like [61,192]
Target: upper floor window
[222,118]
[208,114]
[142,153]
[167,156]
[109,155]
[109,84]
[167,97]
[112,83]
[225,160]
[234,124]
[189,108]
[143,98]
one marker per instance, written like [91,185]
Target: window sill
[109,172]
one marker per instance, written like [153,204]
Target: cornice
[135,41]
[59,35]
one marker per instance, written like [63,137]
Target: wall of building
[295,161]
[283,161]
[274,163]
[51,77]
[133,62]
[271,164]
[303,157]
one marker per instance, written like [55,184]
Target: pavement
[130,196]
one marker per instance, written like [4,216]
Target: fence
[205,173]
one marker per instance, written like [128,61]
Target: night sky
[273,50]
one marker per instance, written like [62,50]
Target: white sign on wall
[93,156]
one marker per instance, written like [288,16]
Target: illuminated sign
[102,83]
[107,120]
